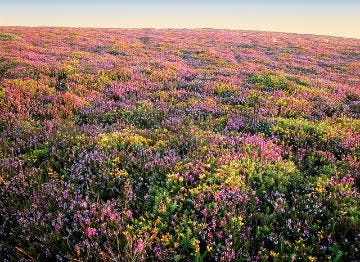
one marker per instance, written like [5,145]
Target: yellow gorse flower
[196,244]
[311,258]
[274,254]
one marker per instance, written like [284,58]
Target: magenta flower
[90,232]
[129,213]
[204,212]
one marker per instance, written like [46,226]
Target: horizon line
[181,28]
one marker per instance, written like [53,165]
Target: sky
[322,17]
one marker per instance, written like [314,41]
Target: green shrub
[9,36]
[269,82]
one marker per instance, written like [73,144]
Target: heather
[178,145]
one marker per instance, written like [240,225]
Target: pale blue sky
[340,18]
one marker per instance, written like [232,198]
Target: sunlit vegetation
[178,145]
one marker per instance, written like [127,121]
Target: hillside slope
[134,145]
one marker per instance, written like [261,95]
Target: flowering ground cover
[180,145]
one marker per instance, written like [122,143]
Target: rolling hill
[179,145]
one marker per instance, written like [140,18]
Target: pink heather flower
[112,216]
[90,231]
[129,214]
[140,246]
[223,222]
[94,211]
[204,212]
